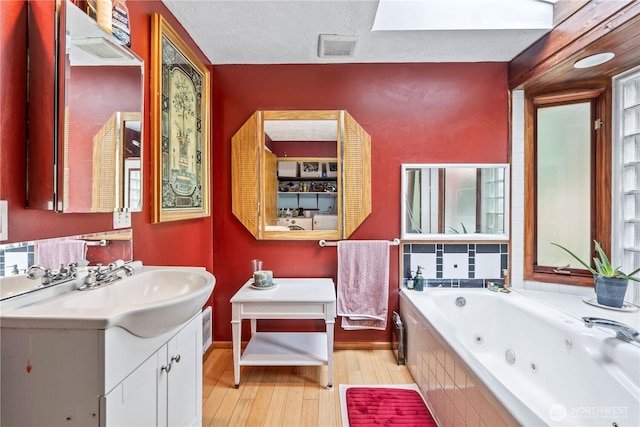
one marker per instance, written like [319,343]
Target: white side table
[288,299]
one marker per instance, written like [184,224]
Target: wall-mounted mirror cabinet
[301,175]
[455,202]
[85,114]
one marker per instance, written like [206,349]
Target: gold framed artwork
[179,128]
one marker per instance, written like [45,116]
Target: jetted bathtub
[509,359]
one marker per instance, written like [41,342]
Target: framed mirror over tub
[455,202]
[455,224]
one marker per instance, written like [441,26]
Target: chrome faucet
[36,272]
[49,277]
[112,273]
[99,276]
[623,332]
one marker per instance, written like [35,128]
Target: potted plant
[610,283]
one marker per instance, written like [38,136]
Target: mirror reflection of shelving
[305,189]
[324,141]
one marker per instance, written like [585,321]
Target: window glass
[563,183]
[460,192]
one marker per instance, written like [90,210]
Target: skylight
[418,15]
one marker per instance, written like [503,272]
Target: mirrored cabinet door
[85,114]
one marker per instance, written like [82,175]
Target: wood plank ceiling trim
[596,27]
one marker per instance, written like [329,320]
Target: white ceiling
[287,31]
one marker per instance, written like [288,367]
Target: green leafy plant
[454,231]
[602,263]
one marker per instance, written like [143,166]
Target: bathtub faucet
[623,332]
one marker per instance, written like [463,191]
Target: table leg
[236,329]
[330,327]
[254,326]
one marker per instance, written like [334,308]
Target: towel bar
[102,242]
[323,243]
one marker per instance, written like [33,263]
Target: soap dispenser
[418,281]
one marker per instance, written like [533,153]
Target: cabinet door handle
[166,367]
[175,359]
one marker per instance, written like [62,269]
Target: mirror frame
[404,235]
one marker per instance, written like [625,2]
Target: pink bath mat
[380,406]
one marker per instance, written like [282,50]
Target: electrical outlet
[121,219]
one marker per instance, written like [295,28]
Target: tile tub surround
[454,395]
[535,370]
[456,264]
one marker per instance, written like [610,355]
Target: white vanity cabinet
[183,382]
[102,377]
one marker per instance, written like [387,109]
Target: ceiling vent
[334,46]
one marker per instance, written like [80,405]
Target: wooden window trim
[600,187]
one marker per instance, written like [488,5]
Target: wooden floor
[289,396]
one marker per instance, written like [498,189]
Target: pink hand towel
[363,284]
[53,254]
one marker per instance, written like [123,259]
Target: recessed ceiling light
[593,60]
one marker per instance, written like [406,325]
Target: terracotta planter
[610,291]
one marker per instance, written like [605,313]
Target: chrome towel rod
[102,242]
[323,243]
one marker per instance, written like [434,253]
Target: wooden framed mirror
[301,175]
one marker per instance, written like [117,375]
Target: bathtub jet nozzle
[623,332]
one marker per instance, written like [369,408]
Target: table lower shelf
[286,349]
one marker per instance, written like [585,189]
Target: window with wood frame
[567,182]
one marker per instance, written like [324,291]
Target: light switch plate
[121,219]
[4,220]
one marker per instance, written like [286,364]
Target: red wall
[177,243]
[413,113]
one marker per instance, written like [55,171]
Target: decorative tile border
[483,262]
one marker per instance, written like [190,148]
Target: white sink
[14,285]
[153,301]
